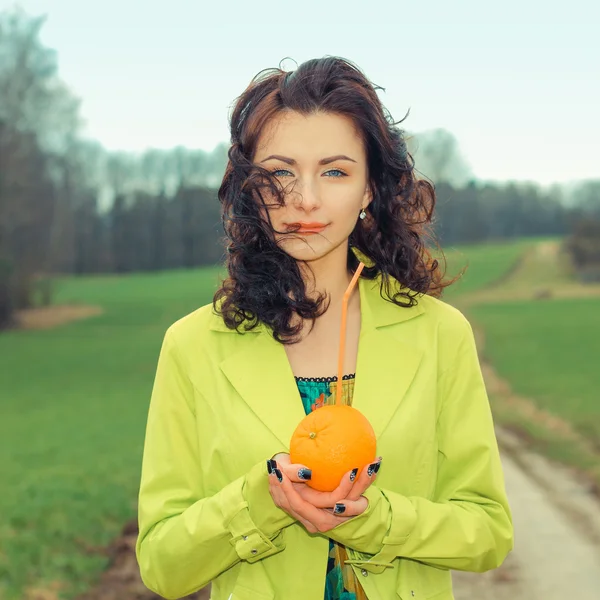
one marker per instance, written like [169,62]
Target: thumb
[350,508]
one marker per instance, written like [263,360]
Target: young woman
[319,178]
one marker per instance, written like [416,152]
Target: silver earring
[362,214]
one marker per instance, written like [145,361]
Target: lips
[306,227]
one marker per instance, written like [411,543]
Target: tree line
[69,206]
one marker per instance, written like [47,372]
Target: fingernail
[339,509]
[353,474]
[373,468]
[278,474]
[271,464]
[305,474]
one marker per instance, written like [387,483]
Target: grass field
[74,403]
[75,399]
[485,264]
[549,351]
[546,347]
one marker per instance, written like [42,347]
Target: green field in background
[75,399]
[72,418]
[549,351]
[485,264]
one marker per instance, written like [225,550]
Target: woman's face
[330,194]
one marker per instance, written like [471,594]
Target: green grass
[72,418]
[485,263]
[544,349]
[548,350]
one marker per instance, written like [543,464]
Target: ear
[368,197]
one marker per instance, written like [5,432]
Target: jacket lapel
[387,362]
[261,374]
[387,359]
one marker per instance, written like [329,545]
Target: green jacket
[223,403]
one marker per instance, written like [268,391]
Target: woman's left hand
[322,511]
[352,491]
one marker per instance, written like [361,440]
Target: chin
[302,251]
[307,257]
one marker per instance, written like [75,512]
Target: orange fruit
[331,441]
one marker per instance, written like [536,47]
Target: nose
[306,196]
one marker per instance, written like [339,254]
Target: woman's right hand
[279,466]
[284,475]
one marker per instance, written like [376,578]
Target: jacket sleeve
[469,525]
[185,539]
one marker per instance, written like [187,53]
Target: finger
[350,508]
[301,507]
[328,520]
[315,519]
[282,458]
[328,499]
[295,472]
[281,500]
[277,493]
[366,477]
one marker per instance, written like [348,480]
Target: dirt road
[557,535]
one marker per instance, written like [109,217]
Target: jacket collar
[387,362]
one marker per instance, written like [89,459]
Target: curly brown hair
[264,283]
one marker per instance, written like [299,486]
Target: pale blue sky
[517,82]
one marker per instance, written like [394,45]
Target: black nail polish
[305,474]
[373,468]
[271,464]
[353,474]
[339,509]
[278,474]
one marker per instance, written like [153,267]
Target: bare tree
[38,124]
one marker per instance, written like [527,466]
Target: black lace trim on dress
[326,379]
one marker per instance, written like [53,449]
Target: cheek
[347,200]
[347,212]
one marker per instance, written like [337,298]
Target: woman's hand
[351,488]
[317,511]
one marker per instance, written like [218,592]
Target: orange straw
[347,295]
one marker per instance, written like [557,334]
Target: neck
[331,276]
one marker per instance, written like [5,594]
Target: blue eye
[342,174]
[277,171]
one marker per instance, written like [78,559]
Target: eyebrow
[323,161]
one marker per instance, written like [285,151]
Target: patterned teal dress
[341,583]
